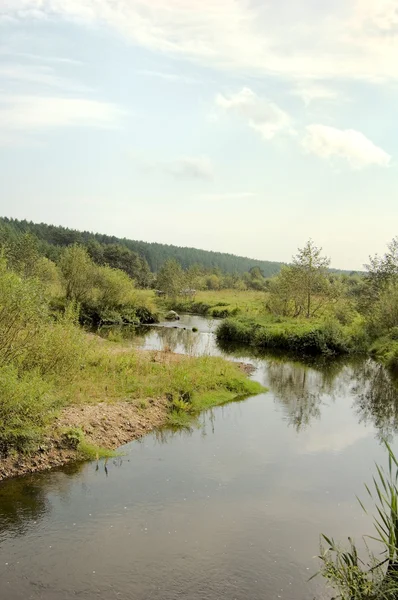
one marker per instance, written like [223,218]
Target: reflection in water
[376,398]
[232,510]
[301,389]
[179,339]
[25,499]
[21,501]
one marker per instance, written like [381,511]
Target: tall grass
[132,376]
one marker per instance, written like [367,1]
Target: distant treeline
[53,238]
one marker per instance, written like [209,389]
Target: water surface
[232,510]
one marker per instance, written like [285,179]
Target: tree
[304,287]
[381,270]
[213,282]
[310,270]
[78,273]
[283,297]
[114,287]
[23,255]
[170,278]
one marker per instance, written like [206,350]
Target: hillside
[55,237]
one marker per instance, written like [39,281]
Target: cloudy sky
[244,126]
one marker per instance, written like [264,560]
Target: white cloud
[307,39]
[312,92]
[263,116]
[42,58]
[38,112]
[40,75]
[173,77]
[348,144]
[192,167]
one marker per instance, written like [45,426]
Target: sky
[242,126]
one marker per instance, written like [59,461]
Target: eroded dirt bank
[105,425]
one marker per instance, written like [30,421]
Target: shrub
[23,310]
[26,407]
[60,347]
[324,337]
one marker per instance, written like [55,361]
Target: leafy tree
[382,270]
[22,310]
[78,272]
[310,271]
[96,252]
[23,254]
[170,278]
[115,288]
[303,288]
[213,282]
[283,298]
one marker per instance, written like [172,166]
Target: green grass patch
[183,413]
[220,304]
[75,439]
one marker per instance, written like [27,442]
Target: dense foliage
[141,257]
[48,361]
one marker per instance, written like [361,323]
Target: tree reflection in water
[376,397]
[302,387]
[25,499]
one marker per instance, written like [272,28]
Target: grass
[114,373]
[111,373]
[327,337]
[222,303]
[75,439]
[183,413]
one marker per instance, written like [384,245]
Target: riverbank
[121,394]
[103,427]
[327,337]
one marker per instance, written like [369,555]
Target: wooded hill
[53,238]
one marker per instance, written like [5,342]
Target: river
[229,511]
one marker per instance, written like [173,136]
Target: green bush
[324,337]
[60,347]
[23,309]
[26,407]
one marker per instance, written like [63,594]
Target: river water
[229,511]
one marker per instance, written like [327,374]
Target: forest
[149,256]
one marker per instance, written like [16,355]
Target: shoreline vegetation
[116,395]
[54,287]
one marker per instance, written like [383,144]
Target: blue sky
[232,125]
